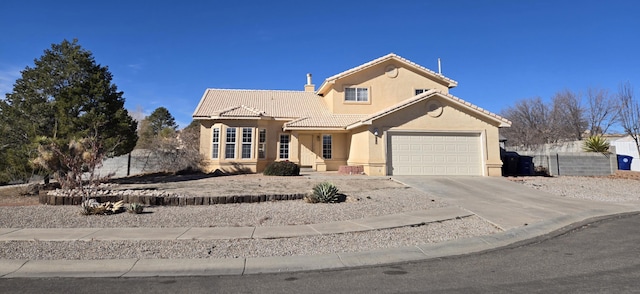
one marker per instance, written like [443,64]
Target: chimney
[309,87]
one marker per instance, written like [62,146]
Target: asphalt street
[591,257]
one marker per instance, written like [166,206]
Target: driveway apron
[504,203]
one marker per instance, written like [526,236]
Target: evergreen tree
[161,119]
[159,123]
[65,96]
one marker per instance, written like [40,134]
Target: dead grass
[626,174]
[12,196]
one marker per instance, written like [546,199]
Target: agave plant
[324,193]
[92,206]
[136,208]
[89,206]
[596,144]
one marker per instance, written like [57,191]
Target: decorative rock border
[170,200]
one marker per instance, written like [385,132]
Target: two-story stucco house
[390,116]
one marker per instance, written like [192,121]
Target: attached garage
[428,153]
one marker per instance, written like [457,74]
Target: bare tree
[137,114]
[177,151]
[74,164]
[567,117]
[602,111]
[529,123]
[629,114]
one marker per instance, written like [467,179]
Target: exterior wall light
[375,134]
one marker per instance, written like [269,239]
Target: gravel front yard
[607,189]
[368,197]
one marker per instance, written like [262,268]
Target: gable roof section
[426,95]
[253,104]
[307,111]
[241,111]
[330,80]
[333,122]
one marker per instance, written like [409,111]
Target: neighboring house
[390,116]
[627,146]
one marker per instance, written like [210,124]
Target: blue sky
[166,53]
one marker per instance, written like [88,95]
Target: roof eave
[325,87]
[449,83]
[238,117]
[359,124]
[502,122]
[333,129]
[369,120]
[204,95]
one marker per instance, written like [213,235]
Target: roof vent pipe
[309,87]
[439,67]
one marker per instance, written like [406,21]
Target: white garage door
[435,154]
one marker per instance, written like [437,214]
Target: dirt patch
[625,174]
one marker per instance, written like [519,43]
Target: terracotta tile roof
[451,83]
[252,103]
[306,110]
[241,111]
[330,121]
[504,122]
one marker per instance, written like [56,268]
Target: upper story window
[356,94]
[420,91]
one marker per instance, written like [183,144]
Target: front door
[307,157]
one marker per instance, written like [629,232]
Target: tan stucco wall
[361,146]
[340,146]
[339,150]
[274,129]
[367,150]
[384,91]
[454,118]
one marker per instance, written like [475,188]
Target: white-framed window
[326,146]
[284,146]
[262,143]
[247,141]
[354,94]
[215,143]
[420,91]
[230,144]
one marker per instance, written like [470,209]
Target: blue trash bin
[624,162]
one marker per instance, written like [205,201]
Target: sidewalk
[522,212]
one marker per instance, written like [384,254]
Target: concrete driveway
[504,203]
